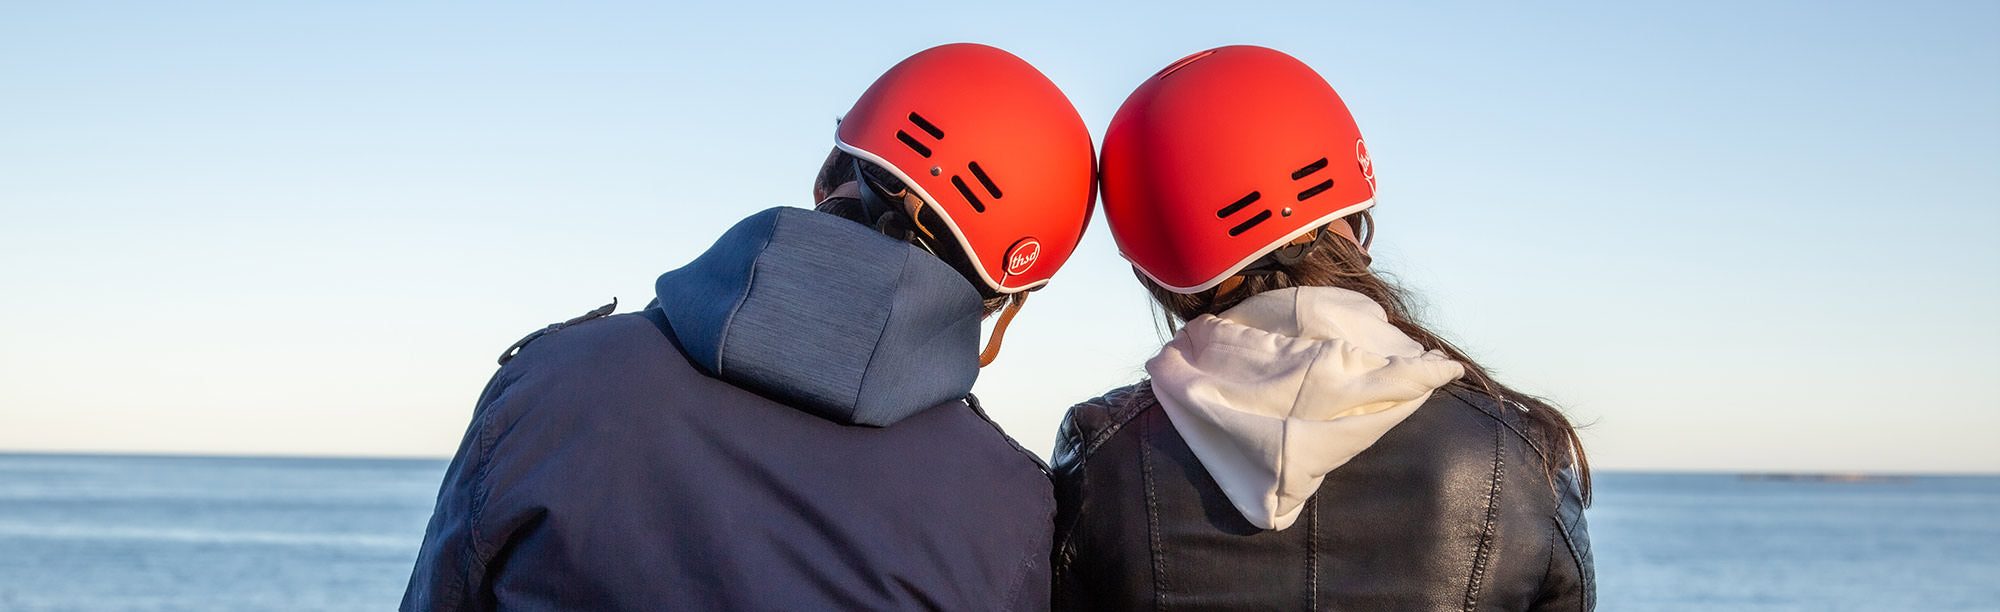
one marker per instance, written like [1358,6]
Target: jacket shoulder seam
[1127,406]
[972,401]
[1493,412]
[1484,553]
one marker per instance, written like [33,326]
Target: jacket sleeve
[1571,582]
[450,574]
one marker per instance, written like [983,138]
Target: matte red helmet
[1224,156]
[992,147]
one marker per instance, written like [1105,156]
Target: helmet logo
[1023,256]
[1367,165]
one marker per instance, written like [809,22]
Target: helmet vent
[984,181]
[912,142]
[1246,225]
[927,127]
[1315,189]
[1309,169]
[963,190]
[937,133]
[1238,205]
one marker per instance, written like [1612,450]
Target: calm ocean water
[192,533]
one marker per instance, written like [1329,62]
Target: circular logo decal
[1367,165]
[1023,256]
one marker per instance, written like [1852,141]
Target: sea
[91,532]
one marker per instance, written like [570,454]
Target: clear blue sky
[1728,235]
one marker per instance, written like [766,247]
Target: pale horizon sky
[1724,236]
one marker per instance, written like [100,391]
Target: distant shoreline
[1838,477]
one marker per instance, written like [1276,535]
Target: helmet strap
[899,214]
[1227,285]
[894,213]
[1000,328]
[1285,256]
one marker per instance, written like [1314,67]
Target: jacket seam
[1549,568]
[1484,552]
[1065,552]
[488,436]
[1568,530]
[1153,518]
[1312,555]
[1494,414]
[1123,410]
[972,402]
[729,321]
[880,333]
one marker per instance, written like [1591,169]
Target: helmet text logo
[1023,256]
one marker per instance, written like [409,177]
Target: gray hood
[827,316]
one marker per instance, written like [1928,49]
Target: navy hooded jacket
[790,428]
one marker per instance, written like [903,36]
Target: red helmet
[1224,156]
[992,147]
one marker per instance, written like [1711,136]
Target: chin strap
[1000,328]
[1227,285]
[897,214]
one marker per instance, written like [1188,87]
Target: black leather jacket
[1450,510]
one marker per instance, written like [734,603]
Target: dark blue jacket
[788,429]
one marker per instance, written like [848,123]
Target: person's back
[606,470]
[1448,510]
[789,425]
[1301,443]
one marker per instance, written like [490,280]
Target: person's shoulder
[585,342]
[598,353]
[1463,435]
[1458,435]
[1505,423]
[1089,423]
[1512,451]
[530,406]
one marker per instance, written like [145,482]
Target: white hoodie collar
[1288,386]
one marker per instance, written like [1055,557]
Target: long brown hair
[1337,262]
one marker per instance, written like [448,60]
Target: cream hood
[1288,386]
